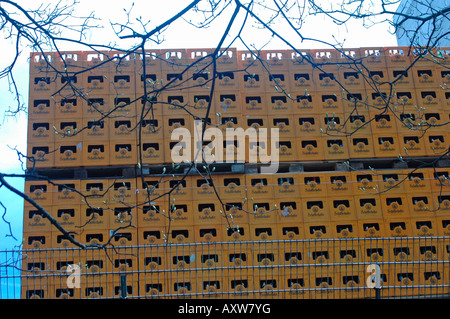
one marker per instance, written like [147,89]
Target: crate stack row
[105,122]
[92,119]
[280,269]
[338,204]
[305,211]
[309,137]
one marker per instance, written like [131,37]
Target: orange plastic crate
[227,59]
[173,60]
[335,148]
[339,184]
[290,211]
[123,152]
[326,78]
[315,209]
[152,214]
[412,144]
[262,211]
[278,103]
[386,145]
[69,106]
[425,76]
[96,153]
[148,82]
[153,153]
[397,56]
[68,154]
[341,208]
[41,107]
[207,212]
[40,131]
[301,80]
[97,106]
[122,62]
[42,84]
[368,207]
[252,82]
[360,146]
[371,228]
[41,62]
[123,103]
[373,56]
[301,59]
[310,149]
[395,206]
[35,221]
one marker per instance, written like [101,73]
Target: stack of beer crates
[329,106]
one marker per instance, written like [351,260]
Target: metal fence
[328,268]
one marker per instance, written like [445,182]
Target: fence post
[374,279]
[123,286]
[377,293]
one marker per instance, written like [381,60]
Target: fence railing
[328,268]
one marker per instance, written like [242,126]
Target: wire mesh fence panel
[349,268]
[10,274]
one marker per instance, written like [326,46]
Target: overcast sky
[13,130]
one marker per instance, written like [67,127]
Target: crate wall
[317,120]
